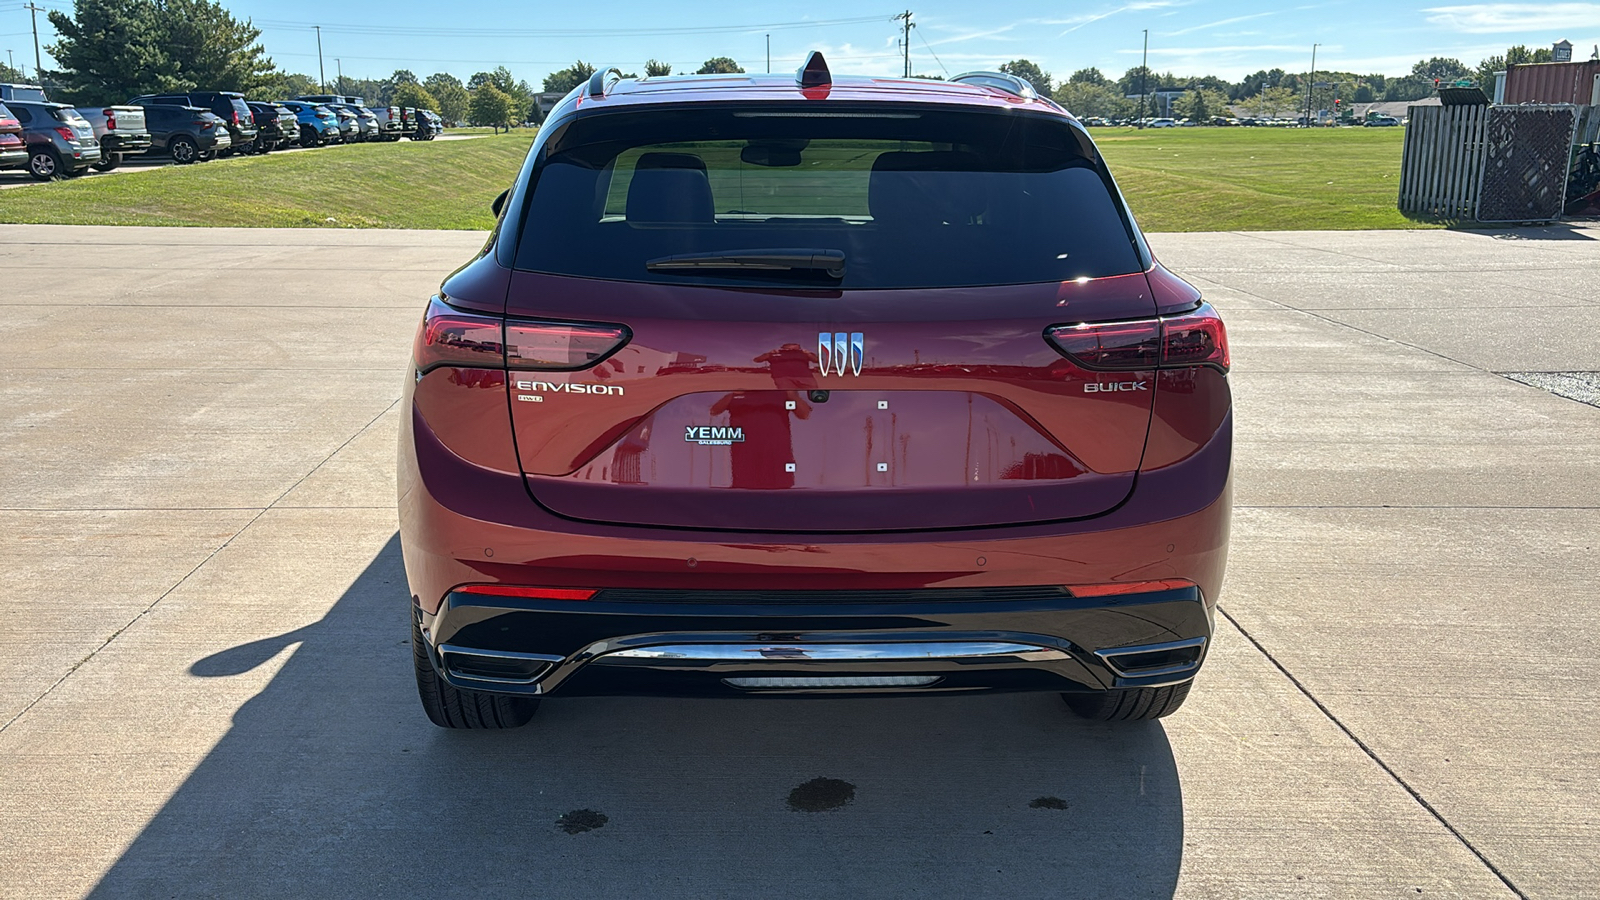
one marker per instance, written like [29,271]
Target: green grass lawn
[436,184]
[1190,179]
[1259,179]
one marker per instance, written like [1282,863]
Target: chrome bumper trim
[874,652]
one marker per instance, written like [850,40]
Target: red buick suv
[800,385]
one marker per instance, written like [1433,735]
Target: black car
[230,106]
[186,133]
[276,126]
[428,126]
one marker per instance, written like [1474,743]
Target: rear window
[242,108]
[909,197]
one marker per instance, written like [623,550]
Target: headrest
[933,187]
[670,189]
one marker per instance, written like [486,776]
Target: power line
[427,31]
[495,61]
[933,54]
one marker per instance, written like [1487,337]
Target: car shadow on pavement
[332,783]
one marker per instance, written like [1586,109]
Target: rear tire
[183,151]
[448,706]
[1129,704]
[45,165]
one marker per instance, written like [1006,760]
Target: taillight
[205,125]
[555,345]
[236,117]
[1172,342]
[1118,345]
[451,337]
[517,590]
[111,119]
[67,134]
[1195,339]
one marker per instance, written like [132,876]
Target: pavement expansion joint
[1316,314]
[1376,759]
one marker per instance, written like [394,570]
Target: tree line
[1265,93]
[111,50]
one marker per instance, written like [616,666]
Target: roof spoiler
[1011,84]
[603,80]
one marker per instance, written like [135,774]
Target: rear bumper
[855,642]
[125,143]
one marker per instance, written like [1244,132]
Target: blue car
[318,124]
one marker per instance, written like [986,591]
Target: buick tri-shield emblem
[840,351]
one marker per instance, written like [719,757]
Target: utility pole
[905,41]
[322,75]
[340,63]
[1311,82]
[38,67]
[1144,73]
[769,54]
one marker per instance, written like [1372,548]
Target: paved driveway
[205,686]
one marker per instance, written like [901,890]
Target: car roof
[680,89]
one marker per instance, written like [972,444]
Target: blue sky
[1229,38]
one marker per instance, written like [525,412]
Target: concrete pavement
[205,690]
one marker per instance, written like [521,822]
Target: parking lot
[206,690]
[15,178]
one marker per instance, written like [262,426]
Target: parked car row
[1372,120]
[55,140]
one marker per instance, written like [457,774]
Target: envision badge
[606,389]
[838,351]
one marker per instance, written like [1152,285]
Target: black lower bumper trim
[599,646]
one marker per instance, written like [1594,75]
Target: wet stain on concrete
[1047,803]
[580,820]
[821,795]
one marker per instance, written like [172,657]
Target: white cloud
[1200,51]
[971,35]
[1509,18]
[1218,24]
[1138,6]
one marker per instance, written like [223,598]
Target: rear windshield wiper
[787,259]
